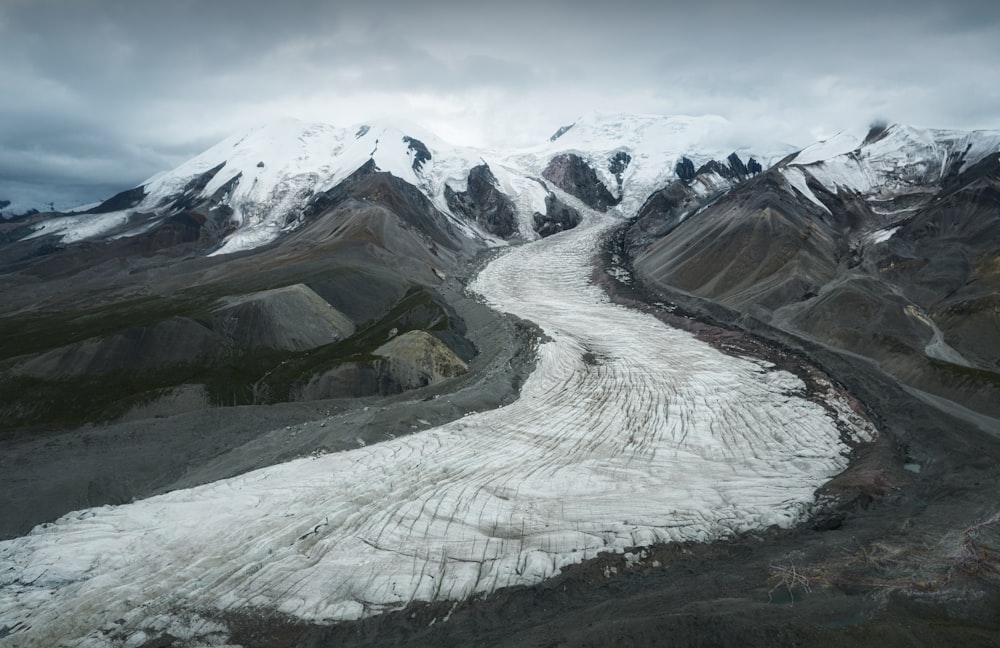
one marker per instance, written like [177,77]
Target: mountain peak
[638,153]
[266,174]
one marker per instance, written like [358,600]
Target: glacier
[628,433]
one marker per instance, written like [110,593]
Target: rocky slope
[111,323]
[885,247]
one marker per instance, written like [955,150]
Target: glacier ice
[628,433]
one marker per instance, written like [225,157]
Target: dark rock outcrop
[121,201]
[732,168]
[419,150]
[876,131]
[718,168]
[558,217]
[737,166]
[192,190]
[562,131]
[685,169]
[572,174]
[483,202]
[617,164]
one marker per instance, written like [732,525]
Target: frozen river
[627,433]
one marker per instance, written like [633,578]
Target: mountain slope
[884,247]
[370,254]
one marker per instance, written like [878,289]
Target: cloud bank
[100,94]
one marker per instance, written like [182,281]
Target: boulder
[558,217]
[417,359]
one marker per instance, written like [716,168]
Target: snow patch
[882,235]
[797,179]
[837,145]
[71,229]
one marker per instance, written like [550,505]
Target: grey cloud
[110,91]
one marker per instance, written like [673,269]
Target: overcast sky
[97,95]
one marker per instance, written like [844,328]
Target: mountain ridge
[262,174]
[872,246]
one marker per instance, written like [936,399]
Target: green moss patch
[243,376]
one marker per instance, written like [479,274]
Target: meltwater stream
[628,433]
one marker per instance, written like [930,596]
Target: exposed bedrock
[558,217]
[412,360]
[417,359]
[572,174]
[484,203]
[617,164]
[418,150]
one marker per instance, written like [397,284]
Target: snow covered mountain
[253,187]
[634,155]
[883,245]
[263,180]
[396,201]
[894,159]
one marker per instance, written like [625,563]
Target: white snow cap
[898,158]
[270,171]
